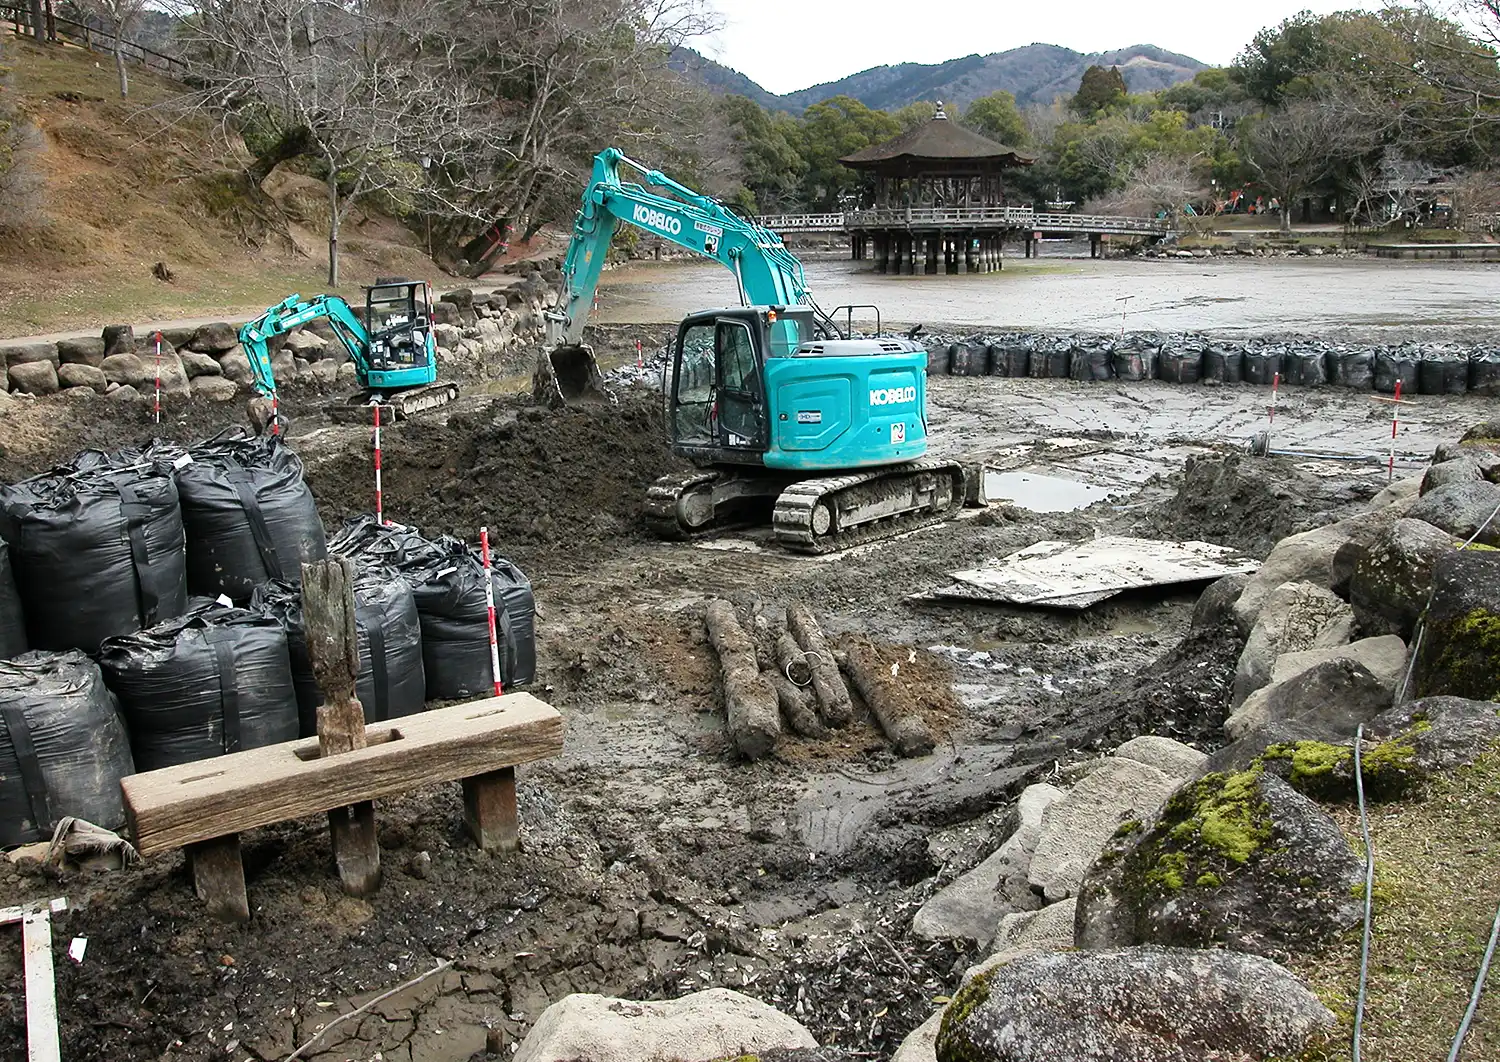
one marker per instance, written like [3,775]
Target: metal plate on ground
[1077,575]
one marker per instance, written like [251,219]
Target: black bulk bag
[213,681]
[1052,359]
[1134,358]
[969,358]
[1224,363]
[249,516]
[63,748]
[12,620]
[452,606]
[1011,358]
[1443,373]
[1352,368]
[1262,365]
[1393,364]
[369,542]
[390,683]
[1305,367]
[1180,363]
[1484,372]
[95,552]
[1091,360]
[939,359]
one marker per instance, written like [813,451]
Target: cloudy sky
[792,44]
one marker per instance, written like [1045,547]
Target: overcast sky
[791,44]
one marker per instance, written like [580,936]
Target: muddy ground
[654,860]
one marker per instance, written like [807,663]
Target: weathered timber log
[795,697]
[888,697]
[754,719]
[333,649]
[828,686]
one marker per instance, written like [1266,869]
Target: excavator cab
[398,317]
[716,388]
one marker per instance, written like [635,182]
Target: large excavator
[393,350]
[789,419]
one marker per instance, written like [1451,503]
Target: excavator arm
[767,274]
[290,313]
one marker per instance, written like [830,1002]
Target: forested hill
[1036,73]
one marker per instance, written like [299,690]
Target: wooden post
[219,877]
[333,646]
[490,810]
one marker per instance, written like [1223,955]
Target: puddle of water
[1042,494]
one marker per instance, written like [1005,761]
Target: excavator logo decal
[657,220]
[893,396]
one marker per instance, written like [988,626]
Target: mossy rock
[1460,654]
[1325,771]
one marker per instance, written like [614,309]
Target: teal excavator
[789,419]
[393,350]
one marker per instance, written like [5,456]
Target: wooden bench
[204,806]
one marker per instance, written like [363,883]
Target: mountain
[1036,73]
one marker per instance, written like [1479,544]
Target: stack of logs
[777,662]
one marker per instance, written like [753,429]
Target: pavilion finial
[940,112]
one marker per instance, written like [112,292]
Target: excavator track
[359,409]
[837,512]
[700,502]
[662,497]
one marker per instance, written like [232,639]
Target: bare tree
[1476,201]
[1300,143]
[120,16]
[1158,183]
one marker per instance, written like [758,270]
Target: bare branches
[1300,143]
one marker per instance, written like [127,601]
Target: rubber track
[660,509]
[794,509]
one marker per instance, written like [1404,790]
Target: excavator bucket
[567,375]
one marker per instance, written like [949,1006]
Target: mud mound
[547,483]
[1252,503]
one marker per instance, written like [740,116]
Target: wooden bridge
[969,239]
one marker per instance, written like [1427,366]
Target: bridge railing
[951,217]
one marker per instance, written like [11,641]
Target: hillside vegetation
[116,186]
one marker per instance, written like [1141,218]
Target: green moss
[1306,883]
[1209,881]
[1233,821]
[1128,827]
[1470,663]
[1326,772]
[948,1044]
[1169,873]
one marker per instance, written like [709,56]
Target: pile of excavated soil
[1251,503]
[549,484]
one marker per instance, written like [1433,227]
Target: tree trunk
[333,225]
[832,695]
[750,701]
[288,146]
[1286,218]
[120,64]
[888,695]
[37,29]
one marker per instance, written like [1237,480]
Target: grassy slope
[1435,894]
[126,184]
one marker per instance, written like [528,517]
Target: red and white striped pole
[596,301]
[638,362]
[1271,413]
[489,599]
[1390,468]
[158,377]
[379,498]
[275,413]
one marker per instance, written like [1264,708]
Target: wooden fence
[58,29]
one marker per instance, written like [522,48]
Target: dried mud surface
[654,860]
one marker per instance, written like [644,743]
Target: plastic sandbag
[95,552]
[1134,358]
[1305,367]
[1393,364]
[1224,363]
[214,681]
[969,358]
[1052,359]
[939,358]
[12,620]
[63,748]
[1011,358]
[1352,368]
[393,545]
[390,683]
[1262,364]
[1092,360]
[1443,373]
[1180,362]
[451,602]
[249,516]
[1484,372]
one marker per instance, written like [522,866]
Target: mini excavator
[788,419]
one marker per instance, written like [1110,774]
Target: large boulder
[170,370]
[1468,468]
[1170,757]
[1051,927]
[1462,509]
[13,354]
[197,364]
[125,369]
[1442,732]
[235,365]
[1332,697]
[1390,585]
[1242,861]
[81,350]
[118,339]
[74,374]
[306,345]
[1136,1005]
[214,388]
[1295,617]
[34,378]
[1460,653]
[713,1024]
[284,367]
[1075,829]
[970,907]
[215,338]
[1216,603]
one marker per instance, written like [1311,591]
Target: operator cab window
[695,384]
[737,368]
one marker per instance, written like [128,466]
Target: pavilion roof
[936,145]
